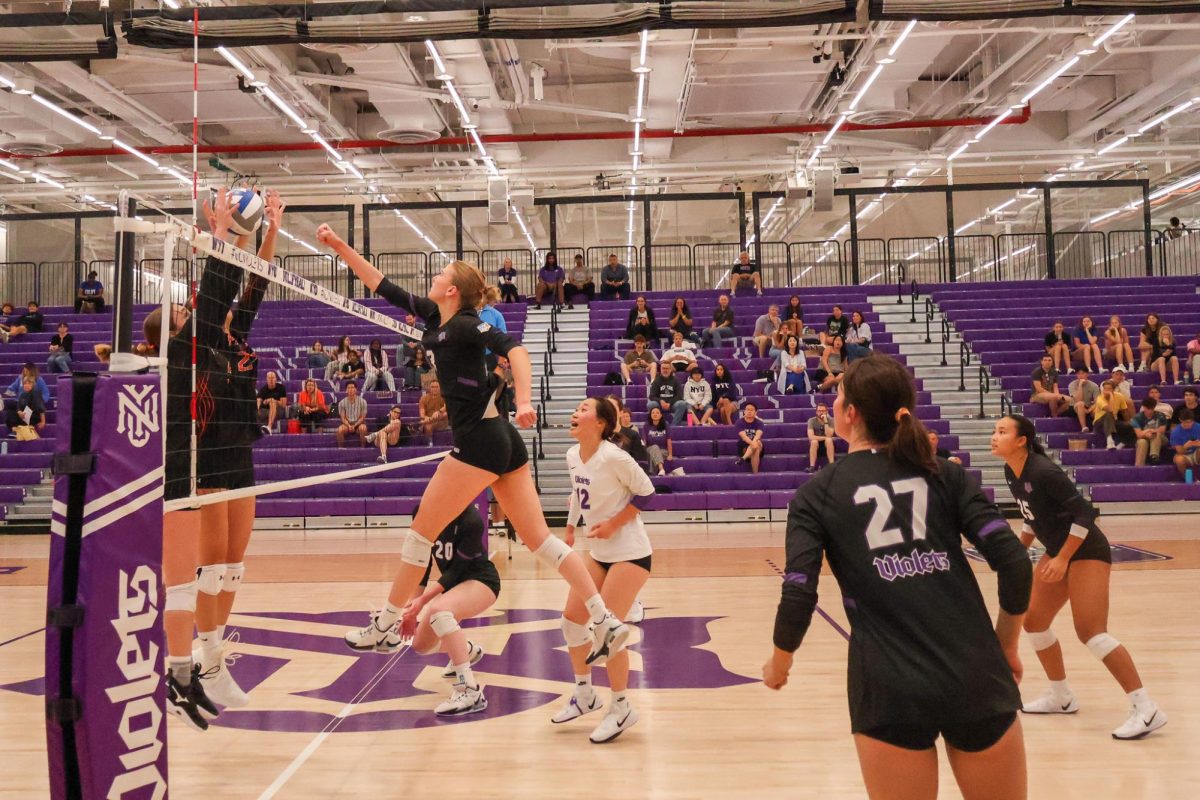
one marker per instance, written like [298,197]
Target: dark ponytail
[1026,428]
[607,416]
[882,391]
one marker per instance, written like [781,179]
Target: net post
[122,338]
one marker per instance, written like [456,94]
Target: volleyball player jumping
[924,658]
[488,451]
[608,489]
[1076,567]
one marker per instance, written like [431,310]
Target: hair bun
[902,412]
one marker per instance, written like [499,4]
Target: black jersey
[922,647]
[458,347]
[460,554]
[1053,508]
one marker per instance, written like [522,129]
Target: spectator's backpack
[613,379]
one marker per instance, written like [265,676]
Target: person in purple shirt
[750,435]
[550,279]
[657,436]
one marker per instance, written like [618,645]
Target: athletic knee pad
[208,578]
[1041,640]
[443,623]
[1101,645]
[575,634]
[231,581]
[416,549]
[553,551]
[181,597]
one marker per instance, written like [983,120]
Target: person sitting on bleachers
[833,365]
[30,370]
[858,337]
[1191,402]
[697,394]
[725,395]
[272,402]
[338,359]
[1146,339]
[681,354]
[657,436]
[433,410]
[551,278]
[1122,385]
[1175,229]
[19,325]
[508,282]
[1163,356]
[353,369]
[417,366]
[666,393]
[1083,393]
[89,297]
[379,373]
[744,274]
[312,409]
[1116,343]
[765,328]
[1185,439]
[28,410]
[639,359]
[1150,428]
[614,280]
[352,410]
[750,431]
[62,346]
[489,313]
[1193,358]
[1155,392]
[792,369]
[837,324]
[793,317]
[1110,418]
[1086,342]
[942,452]
[681,320]
[317,358]
[722,324]
[820,432]
[641,321]
[579,282]
[388,435]
[103,352]
[1058,346]
[1045,387]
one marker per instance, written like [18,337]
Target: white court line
[307,752]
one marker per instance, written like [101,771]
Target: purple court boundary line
[22,636]
[820,610]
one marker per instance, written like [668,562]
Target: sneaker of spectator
[639,359]
[1044,379]
[352,410]
[1150,430]
[1116,343]
[1083,393]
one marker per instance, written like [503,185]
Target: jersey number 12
[878,534]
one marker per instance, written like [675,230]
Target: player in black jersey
[488,451]
[924,658]
[1076,567]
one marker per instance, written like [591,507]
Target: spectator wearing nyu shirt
[1150,428]
[666,393]
[89,298]
[750,431]
[551,278]
[697,393]
[1185,439]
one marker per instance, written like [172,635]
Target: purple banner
[118,650]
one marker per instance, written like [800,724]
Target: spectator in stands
[858,337]
[311,406]
[765,328]
[272,402]
[833,365]
[317,357]
[681,354]
[352,410]
[508,282]
[820,432]
[506,393]
[793,372]
[7,320]
[722,324]
[551,278]
[89,297]
[1122,385]
[750,437]
[837,325]
[379,373]
[579,282]
[1155,393]
[416,366]
[1111,412]
[1083,393]
[1045,387]
[388,435]
[1193,358]
[725,395]
[29,322]
[1086,342]
[641,321]
[1150,428]
[1146,339]
[61,349]
[793,317]
[666,393]
[639,359]
[354,369]
[103,352]
[626,436]
[433,410]
[1175,229]
[28,410]
[614,280]
[942,452]
[744,273]
[1163,355]
[1191,402]
[338,359]
[681,320]
[489,313]
[1058,346]
[657,436]
[1185,439]
[30,370]
[408,347]
[1116,343]
[697,393]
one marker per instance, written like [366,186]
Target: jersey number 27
[878,534]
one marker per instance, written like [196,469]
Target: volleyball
[247,207]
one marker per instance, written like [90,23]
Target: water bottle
[3,447]
[1188,477]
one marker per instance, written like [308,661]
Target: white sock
[387,617]
[220,633]
[465,675]
[210,646]
[1140,699]
[1060,689]
[619,699]
[181,669]
[596,608]
[583,686]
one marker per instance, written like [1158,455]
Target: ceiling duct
[30,146]
[408,135]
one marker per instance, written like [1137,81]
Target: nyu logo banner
[137,415]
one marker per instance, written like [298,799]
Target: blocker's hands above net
[219,214]
[327,237]
[274,209]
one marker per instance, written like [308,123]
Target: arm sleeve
[423,307]
[985,527]
[798,598]
[248,305]
[218,286]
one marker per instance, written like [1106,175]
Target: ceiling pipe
[581,136]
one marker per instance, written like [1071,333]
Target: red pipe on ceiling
[521,138]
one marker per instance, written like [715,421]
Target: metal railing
[964,359]
[985,387]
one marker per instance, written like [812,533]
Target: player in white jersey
[608,489]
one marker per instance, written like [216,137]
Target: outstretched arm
[363,269]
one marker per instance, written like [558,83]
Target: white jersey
[600,489]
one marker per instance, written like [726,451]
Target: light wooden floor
[708,728]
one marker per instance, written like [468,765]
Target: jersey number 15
[878,534]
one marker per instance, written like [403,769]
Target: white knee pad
[553,551]
[181,597]
[1101,645]
[208,578]
[443,623]
[575,634]
[1041,640]
[416,549]
[231,581]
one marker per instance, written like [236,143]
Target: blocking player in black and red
[924,657]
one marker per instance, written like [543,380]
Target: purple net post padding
[117,664]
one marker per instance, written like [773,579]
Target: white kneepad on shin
[443,623]
[1101,645]
[231,580]
[181,597]
[1041,640]
[553,551]
[576,635]
[209,577]
[416,549]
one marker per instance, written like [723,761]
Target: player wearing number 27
[924,658]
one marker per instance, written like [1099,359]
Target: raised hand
[327,237]
[274,209]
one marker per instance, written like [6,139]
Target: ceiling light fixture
[87,126]
[1161,118]
[1050,79]
[129,149]
[912,23]
[1102,38]
[841,120]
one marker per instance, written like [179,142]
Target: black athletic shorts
[485,573]
[494,445]
[1094,548]
[225,467]
[970,737]
[644,563]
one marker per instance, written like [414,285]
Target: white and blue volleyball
[247,211]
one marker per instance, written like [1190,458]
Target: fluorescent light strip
[1112,146]
[962,148]
[66,114]
[346,166]
[40,178]
[129,149]
[1003,206]
[862,90]
[645,41]
[236,63]
[1099,40]
[816,153]
[1183,184]
[179,176]
[641,94]
[10,165]
[337,157]
[1003,115]
[1051,79]
[437,57]
[912,23]
[458,103]
[1179,109]
[283,106]
[171,4]
[836,127]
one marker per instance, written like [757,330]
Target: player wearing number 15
[924,659]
